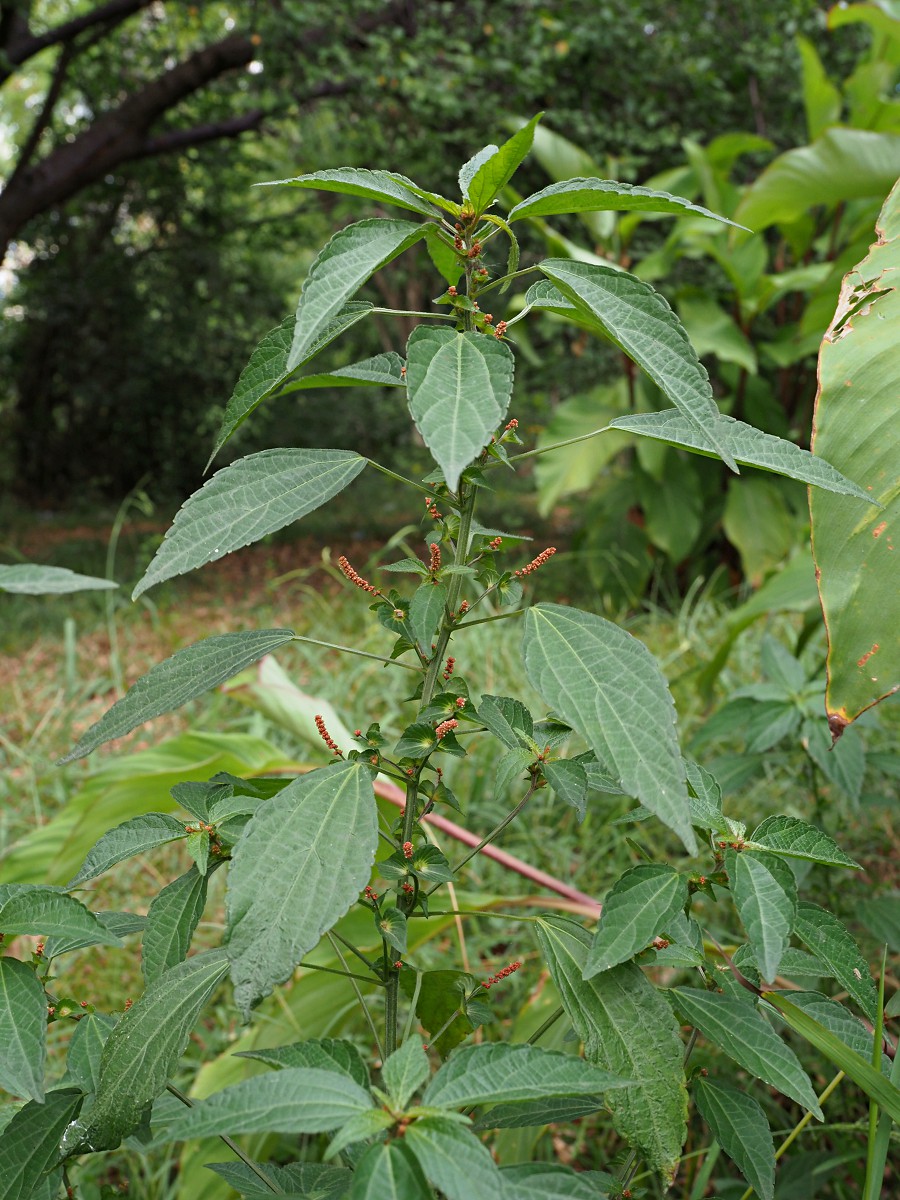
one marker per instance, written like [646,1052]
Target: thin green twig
[233,1146]
[359,996]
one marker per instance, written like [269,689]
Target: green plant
[305,884]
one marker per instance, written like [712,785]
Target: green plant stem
[495,283]
[584,437]
[515,612]
[457,1012]
[420,487]
[508,819]
[472,912]
[412,312]
[391,662]
[548,1024]
[391,1011]
[467,510]
[353,950]
[412,1006]
[345,974]
[233,1146]
[359,996]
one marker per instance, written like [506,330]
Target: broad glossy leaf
[843,164]
[31,579]
[635,910]
[136,836]
[498,1072]
[750,447]
[303,860]
[793,838]
[608,686]
[142,1051]
[267,369]
[496,171]
[187,674]
[44,912]
[855,427]
[325,1054]
[611,1014]
[549,1181]
[244,502]
[381,370]
[740,1126]
[86,1049]
[453,1159]
[459,385]
[827,938]
[29,1145]
[405,1071]
[295,1100]
[426,610]
[384,186]
[342,266]
[604,195]
[23,1030]
[172,919]
[389,1172]
[765,894]
[746,1037]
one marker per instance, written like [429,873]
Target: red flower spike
[445,727]
[327,738]
[398,964]
[460,702]
[434,564]
[495,543]
[513,424]
[355,577]
[407,850]
[536,562]
[408,888]
[464,608]
[451,291]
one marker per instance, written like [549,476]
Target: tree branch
[180,139]
[44,117]
[22,44]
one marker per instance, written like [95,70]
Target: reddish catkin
[434,564]
[355,577]
[511,425]
[445,727]
[448,669]
[501,975]
[536,562]
[327,738]
[495,543]
[407,850]
[464,608]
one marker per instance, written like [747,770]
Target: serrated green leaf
[611,1014]
[498,1072]
[440,994]
[569,780]
[267,369]
[142,1051]
[325,1054]
[384,186]
[246,501]
[635,911]
[188,673]
[608,686]
[86,1049]
[405,1071]
[507,719]
[415,741]
[750,447]
[532,1113]
[793,838]
[388,1172]
[295,1100]
[824,935]
[405,566]
[448,263]
[317,1180]
[746,1037]
[381,370]
[495,172]
[706,797]
[45,912]
[391,925]
[360,1128]
[341,267]
[639,320]
[604,195]
[31,579]
[23,1030]
[742,1129]
[431,865]
[303,860]
[453,1159]
[459,386]
[117,924]
[197,846]
[172,919]
[509,770]
[470,168]
[136,836]
[29,1145]
[549,1181]
[426,610]
[765,894]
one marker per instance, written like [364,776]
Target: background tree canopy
[145,266]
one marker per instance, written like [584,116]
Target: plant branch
[584,437]
[391,662]
[232,1145]
[361,1000]
[507,820]
[400,478]
[515,612]
[344,974]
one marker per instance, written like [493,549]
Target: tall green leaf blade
[326,1054]
[295,1100]
[459,385]
[31,579]
[302,861]
[136,836]
[142,1051]
[604,195]
[746,1037]
[23,1030]
[608,686]
[498,1072]
[635,911]
[172,918]
[405,1071]
[639,320]
[29,1145]
[750,447]
[793,838]
[343,266]
[765,893]
[495,173]
[453,1159]
[389,1172]
[45,912]
[187,674]
[244,502]
[854,427]
[824,935]
[267,369]
[742,1129]
[383,186]
[611,1014]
